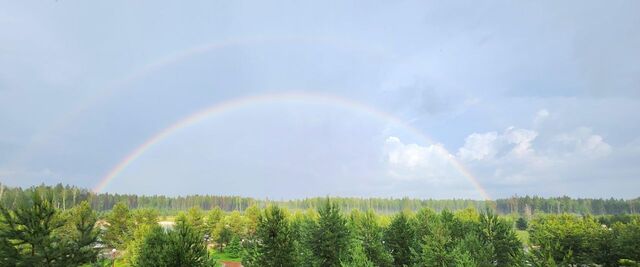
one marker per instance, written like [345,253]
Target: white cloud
[479,146]
[583,142]
[541,116]
[521,140]
[415,162]
[486,146]
[517,155]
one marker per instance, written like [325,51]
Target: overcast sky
[530,97]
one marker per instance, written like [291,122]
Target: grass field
[221,256]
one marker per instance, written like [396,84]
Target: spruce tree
[186,246]
[274,241]
[234,249]
[399,240]
[499,234]
[371,237]
[436,246]
[153,249]
[521,224]
[35,234]
[82,220]
[331,236]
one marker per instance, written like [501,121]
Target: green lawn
[221,256]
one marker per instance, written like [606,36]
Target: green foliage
[234,249]
[224,236]
[436,246]
[627,240]
[522,224]
[36,234]
[499,234]
[399,240]
[183,246]
[153,248]
[302,228]
[568,233]
[358,257]
[331,236]
[196,218]
[120,228]
[275,245]
[187,247]
[145,217]
[252,215]
[83,234]
[544,256]
[369,235]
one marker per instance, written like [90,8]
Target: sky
[294,99]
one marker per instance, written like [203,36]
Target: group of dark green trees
[35,231]
[570,240]
[329,238]
[37,234]
[144,242]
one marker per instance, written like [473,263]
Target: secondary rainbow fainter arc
[237,103]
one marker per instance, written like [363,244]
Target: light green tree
[120,228]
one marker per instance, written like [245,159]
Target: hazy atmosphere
[283,100]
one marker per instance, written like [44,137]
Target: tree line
[36,233]
[64,197]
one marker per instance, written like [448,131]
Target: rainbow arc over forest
[248,101]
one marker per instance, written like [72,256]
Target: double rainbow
[247,101]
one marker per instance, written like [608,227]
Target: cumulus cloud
[429,163]
[513,141]
[583,142]
[521,140]
[479,146]
[522,155]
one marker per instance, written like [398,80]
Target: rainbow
[153,66]
[246,101]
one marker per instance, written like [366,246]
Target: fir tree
[154,249]
[234,249]
[274,241]
[186,246]
[399,239]
[330,238]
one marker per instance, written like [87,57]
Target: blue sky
[530,97]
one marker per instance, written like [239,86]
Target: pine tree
[436,246]
[399,239]
[498,233]
[358,257]
[186,246]
[274,241]
[331,236]
[35,234]
[82,219]
[153,249]
[521,224]
[370,237]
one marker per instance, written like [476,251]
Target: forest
[40,227]
[65,196]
